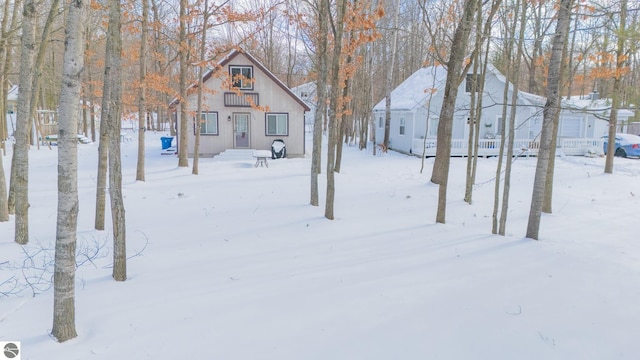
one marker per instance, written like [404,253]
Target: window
[433,127]
[380,122]
[402,126]
[242,77]
[209,123]
[278,124]
[472,84]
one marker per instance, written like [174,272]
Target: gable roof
[227,59]
[415,90]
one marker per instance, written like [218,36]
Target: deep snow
[234,264]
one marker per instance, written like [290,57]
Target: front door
[241,131]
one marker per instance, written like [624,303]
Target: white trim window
[277,124]
[403,124]
[209,123]
[242,77]
[380,122]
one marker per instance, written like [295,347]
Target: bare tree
[67,221]
[551,109]
[617,88]
[440,173]
[113,122]
[20,161]
[512,114]
[201,69]
[183,159]
[142,92]
[389,79]
[334,107]
[322,10]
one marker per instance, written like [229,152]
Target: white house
[307,92]
[416,104]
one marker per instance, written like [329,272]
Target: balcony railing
[246,99]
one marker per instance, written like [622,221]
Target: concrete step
[235,155]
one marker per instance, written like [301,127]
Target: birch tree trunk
[142,93]
[20,173]
[4,200]
[7,66]
[114,60]
[321,93]
[67,221]
[551,109]
[4,24]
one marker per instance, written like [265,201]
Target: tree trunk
[142,93]
[114,60]
[440,173]
[201,68]
[183,156]
[551,109]
[512,116]
[389,80]
[334,107]
[617,90]
[67,221]
[321,93]
[474,115]
[20,177]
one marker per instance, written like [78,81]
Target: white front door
[241,131]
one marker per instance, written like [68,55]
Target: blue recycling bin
[166,142]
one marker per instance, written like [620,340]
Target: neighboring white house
[416,104]
[307,92]
[231,118]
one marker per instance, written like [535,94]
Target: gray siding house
[244,107]
[416,104]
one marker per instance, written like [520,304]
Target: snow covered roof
[600,107]
[415,90]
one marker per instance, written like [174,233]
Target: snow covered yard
[234,264]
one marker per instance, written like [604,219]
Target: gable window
[242,77]
[471,83]
[402,126]
[209,123]
[380,123]
[277,124]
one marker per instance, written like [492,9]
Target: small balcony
[246,99]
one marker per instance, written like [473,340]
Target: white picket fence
[522,147]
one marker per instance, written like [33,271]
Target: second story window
[472,83]
[242,77]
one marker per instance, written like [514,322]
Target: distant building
[416,105]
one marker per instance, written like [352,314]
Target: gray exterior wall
[270,94]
